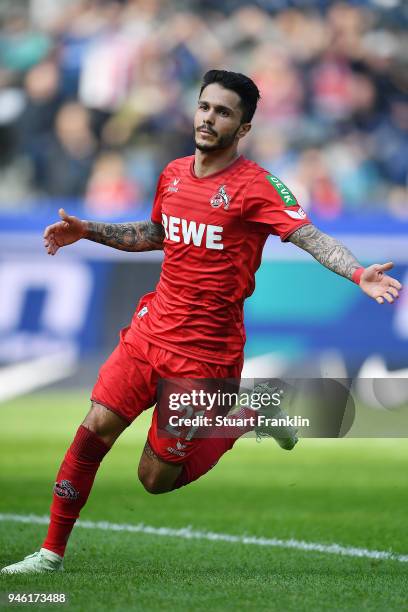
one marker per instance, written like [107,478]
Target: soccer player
[212,214]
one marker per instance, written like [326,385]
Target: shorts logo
[66,490]
[220,198]
[173,451]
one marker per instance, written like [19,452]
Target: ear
[243,130]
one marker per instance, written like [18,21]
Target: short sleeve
[270,202]
[156,216]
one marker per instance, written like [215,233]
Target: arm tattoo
[327,250]
[137,236]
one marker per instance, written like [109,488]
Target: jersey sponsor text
[177,230]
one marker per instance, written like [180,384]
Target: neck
[206,163]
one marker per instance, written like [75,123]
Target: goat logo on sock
[66,490]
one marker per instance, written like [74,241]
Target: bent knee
[104,423]
[154,482]
[155,475]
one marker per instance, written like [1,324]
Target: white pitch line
[187,533]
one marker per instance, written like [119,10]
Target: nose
[209,117]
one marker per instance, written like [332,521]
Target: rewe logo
[190,232]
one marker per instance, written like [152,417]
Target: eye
[202,106]
[224,113]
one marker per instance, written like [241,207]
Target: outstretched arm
[336,257]
[136,236]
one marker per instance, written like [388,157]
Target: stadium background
[95,98]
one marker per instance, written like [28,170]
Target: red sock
[74,482]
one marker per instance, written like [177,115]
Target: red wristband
[357,275]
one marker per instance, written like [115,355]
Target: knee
[104,423]
[152,481]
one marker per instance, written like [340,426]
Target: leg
[156,475]
[76,475]
[104,423]
[208,453]
[123,390]
[161,470]
[170,463]
[125,387]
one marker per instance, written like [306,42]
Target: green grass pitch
[349,492]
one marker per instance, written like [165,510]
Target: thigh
[173,450]
[178,450]
[126,383]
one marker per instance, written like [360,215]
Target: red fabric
[210,450]
[128,380]
[74,479]
[207,456]
[215,229]
[180,450]
[356,277]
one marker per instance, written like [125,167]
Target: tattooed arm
[327,250]
[336,257]
[137,236]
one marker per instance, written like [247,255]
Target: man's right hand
[67,231]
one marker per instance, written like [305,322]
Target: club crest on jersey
[174,185]
[220,198]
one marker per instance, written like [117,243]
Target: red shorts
[128,380]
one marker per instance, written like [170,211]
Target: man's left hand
[378,285]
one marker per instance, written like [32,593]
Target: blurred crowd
[96,96]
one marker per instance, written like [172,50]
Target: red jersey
[215,229]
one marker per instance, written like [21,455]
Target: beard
[222,142]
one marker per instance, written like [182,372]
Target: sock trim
[88,446]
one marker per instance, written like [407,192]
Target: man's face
[217,122]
